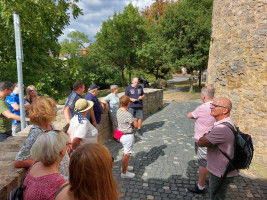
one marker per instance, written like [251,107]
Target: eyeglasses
[216,106]
[31,90]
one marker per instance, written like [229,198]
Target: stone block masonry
[10,177]
[238,69]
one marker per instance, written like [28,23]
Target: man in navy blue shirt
[136,94]
[95,114]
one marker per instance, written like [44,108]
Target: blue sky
[97,11]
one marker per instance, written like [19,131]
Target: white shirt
[86,131]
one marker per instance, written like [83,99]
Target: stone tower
[238,69]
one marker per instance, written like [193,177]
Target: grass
[186,85]
[183,95]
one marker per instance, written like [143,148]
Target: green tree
[96,66]
[186,28]
[153,52]
[74,44]
[121,37]
[71,52]
[42,22]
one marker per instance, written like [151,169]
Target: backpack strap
[234,131]
[60,189]
[233,128]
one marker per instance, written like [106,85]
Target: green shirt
[5,123]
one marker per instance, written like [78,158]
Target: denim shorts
[16,128]
[4,136]
[136,112]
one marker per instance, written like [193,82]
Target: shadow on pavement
[175,187]
[152,126]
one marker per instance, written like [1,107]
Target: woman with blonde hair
[42,113]
[31,93]
[91,175]
[43,179]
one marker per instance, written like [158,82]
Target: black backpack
[243,152]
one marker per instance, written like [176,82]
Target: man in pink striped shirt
[203,124]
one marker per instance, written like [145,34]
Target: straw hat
[83,105]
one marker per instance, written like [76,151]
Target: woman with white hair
[113,100]
[43,178]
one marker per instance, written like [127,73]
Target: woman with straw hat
[82,131]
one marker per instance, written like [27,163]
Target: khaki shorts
[201,153]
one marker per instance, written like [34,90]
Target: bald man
[220,137]
[136,94]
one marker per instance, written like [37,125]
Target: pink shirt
[221,137]
[204,121]
[43,187]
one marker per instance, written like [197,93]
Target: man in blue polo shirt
[95,114]
[13,103]
[136,94]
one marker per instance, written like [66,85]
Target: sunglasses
[31,90]
[59,134]
[216,106]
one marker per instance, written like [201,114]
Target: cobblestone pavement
[164,160]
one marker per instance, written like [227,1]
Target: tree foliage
[121,37]
[152,55]
[156,10]
[74,44]
[186,28]
[42,22]
[166,34]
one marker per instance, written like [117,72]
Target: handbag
[17,193]
[117,135]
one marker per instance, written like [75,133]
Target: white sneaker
[130,168]
[127,175]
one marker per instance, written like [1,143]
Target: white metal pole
[19,57]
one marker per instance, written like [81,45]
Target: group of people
[84,116]
[10,107]
[212,138]
[63,166]
[54,157]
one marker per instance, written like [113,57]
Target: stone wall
[10,177]
[238,69]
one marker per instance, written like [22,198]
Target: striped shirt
[125,120]
[73,97]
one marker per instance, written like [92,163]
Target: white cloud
[97,11]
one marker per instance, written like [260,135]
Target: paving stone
[165,163]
